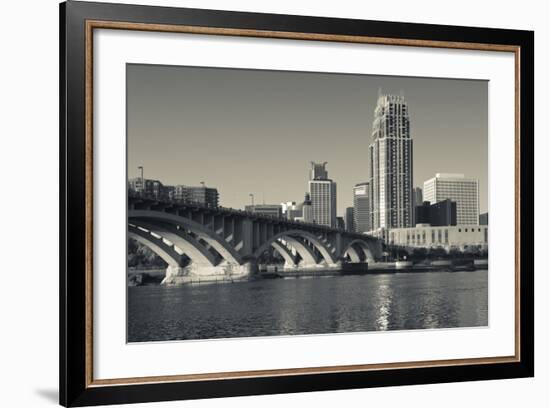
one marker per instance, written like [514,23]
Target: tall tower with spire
[391,169]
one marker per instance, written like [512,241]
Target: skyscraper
[322,192]
[361,207]
[349,219]
[318,171]
[455,187]
[391,170]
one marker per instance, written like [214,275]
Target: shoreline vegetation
[146,268]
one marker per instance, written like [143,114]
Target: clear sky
[254,131]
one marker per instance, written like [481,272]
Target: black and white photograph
[277,203]
[274,204]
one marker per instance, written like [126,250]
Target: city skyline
[152,110]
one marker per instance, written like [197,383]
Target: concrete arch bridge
[215,243]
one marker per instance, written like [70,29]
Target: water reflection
[308,306]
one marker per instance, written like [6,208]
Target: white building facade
[391,171]
[457,188]
[425,236]
[323,202]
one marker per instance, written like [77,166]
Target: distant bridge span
[198,241]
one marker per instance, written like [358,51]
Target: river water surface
[338,304]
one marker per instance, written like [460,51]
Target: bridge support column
[247,237]
[200,273]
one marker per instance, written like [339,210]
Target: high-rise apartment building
[322,192]
[457,188]
[391,171]
[361,207]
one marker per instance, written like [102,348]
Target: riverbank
[144,277]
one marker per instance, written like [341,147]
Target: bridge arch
[351,250]
[180,239]
[291,235]
[285,253]
[354,256]
[306,253]
[157,245]
[227,252]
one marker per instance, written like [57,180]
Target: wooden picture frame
[78,20]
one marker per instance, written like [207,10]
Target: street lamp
[140,168]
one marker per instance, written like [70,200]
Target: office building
[484,219]
[418,200]
[391,171]
[361,207]
[196,194]
[442,213]
[349,219]
[307,211]
[455,187]
[147,188]
[422,213]
[459,236]
[322,192]
[291,210]
[340,223]
[323,202]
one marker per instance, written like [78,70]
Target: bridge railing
[163,199]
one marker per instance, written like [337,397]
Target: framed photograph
[256,203]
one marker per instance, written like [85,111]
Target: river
[338,304]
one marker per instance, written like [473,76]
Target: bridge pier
[200,273]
